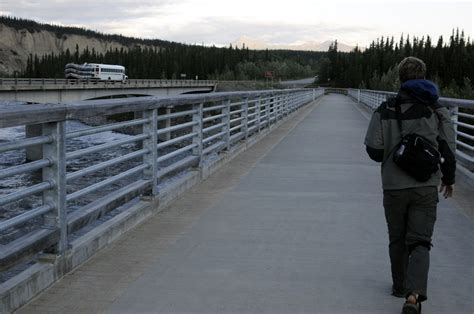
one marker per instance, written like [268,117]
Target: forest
[230,63]
[449,63]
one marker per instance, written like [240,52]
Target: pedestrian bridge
[289,218]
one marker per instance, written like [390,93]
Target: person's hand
[446,190]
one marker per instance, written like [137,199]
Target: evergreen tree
[451,65]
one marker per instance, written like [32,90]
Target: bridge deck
[289,226]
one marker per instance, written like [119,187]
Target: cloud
[88,13]
[225,30]
[221,22]
[184,21]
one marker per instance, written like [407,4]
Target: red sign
[269,74]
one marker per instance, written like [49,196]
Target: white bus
[96,71]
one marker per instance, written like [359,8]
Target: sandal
[411,308]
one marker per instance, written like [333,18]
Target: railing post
[288,103]
[275,108]
[270,107]
[151,143]
[56,175]
[168,124]
[281,101]
[283,106]
[226,121]
[258,104]
[291,106]
[278,107]
[245,121]
[197,128]
[455,119]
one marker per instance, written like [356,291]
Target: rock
[17,44]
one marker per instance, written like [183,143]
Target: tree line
[229,63]
[450,64]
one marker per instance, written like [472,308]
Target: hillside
[17,45]
[20,38]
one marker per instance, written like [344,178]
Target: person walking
[410,203]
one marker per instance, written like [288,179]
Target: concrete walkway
[293,225]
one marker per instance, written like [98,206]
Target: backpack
[414,154]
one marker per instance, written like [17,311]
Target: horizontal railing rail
[334,90]
[462,115]
[12,83]
[77,178]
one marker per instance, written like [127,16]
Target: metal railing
[11,83]
[462,115]
[334,90]
[169,135]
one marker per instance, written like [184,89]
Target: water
[15,183]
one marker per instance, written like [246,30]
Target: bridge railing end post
[245,121]
[226,122]
[56,176]
[198,130]
[150,128]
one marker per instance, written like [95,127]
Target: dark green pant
[410,215]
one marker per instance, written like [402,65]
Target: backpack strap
[398,112]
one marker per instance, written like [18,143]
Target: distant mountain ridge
[311,45]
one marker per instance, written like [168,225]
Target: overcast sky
[222,22]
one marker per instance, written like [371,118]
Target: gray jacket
[432,122]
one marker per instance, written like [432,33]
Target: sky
[221,22]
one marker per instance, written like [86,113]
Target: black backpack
[415,154]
